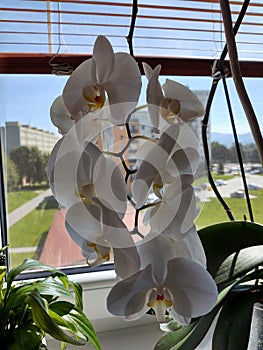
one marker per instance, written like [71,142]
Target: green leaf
[28,264]
[23,339]
[78,319]
[46,323]
[48,287]
[61,307]
[77,288]
[188,337]
[233,326]
[227,238]
[238,264]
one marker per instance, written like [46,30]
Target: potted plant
[30,309]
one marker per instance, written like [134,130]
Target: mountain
[228,139]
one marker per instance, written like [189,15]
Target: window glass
[36,223]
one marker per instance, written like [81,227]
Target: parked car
[237,194]
[206,186]
[220,182]
[253,187]
[197,188]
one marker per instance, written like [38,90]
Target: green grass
[212,212]
[18,198]
[28,231]
[204,179]
[17,258]
[222,176]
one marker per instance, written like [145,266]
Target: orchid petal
[129,297]
[126,261]
[183,161]
[192,246]
[63,180]
[82,77]
[156,249]
[153,164]
[123,87]
[178,185]
[148,70]
[52,158]
[193,289]
[103,56]
[190,105]
[109,184]
[102,254]
[60,116]
[83,219]
[154,94]
[183,216]
[188,245]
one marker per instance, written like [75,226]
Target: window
[38,231]
[37,36]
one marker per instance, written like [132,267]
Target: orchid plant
[166,269]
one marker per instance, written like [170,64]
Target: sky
[27,98]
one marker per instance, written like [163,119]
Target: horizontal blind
[181,28]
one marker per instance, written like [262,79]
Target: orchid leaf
[238,264]
[191,335]
[233,326]
[227,238]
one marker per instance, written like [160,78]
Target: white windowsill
[114,332]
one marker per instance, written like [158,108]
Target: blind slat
[73,25]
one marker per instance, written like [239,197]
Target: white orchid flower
[107,73]
[176,210]
[164,161]
[60,116]
[97,230]
[165,282]
[171,100]
[86,129]
[77,175]
[188,245]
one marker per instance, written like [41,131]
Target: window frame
[39,64]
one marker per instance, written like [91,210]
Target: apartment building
[14,135]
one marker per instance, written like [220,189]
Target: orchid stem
[237,77]
[239,155]
[132,26]
[217,74]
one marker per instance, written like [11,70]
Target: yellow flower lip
[160,305]
[100,257]
[160,298]
[95,97]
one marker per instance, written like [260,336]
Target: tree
[11,173]
[219,152]
[20,156]
[220,169]
[251,153]
[31,163]
[233,154]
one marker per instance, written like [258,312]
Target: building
[14,135]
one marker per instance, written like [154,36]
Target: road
[231,186]
[26,208]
